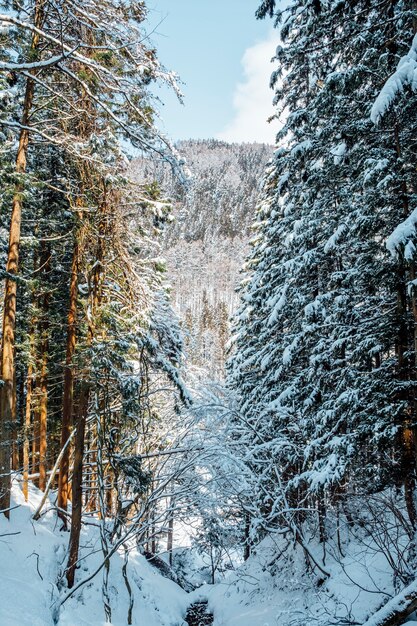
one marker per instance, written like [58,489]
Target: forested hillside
[208,359]
[207,240]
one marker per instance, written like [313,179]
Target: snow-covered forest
[208,389]
[207,242]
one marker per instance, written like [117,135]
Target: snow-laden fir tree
[325,337]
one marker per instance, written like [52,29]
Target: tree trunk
[80,424]
[170,538]
[43,370]
[109,493]
[68,393]
[408,437]
[406,370]
[43,414]
[36,426]
[7,416]
[37,513]
[397,609]
[15,447]
[26,433]
[246,551]
[77,484]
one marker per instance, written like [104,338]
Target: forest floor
[33,556]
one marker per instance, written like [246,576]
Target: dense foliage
[325,336]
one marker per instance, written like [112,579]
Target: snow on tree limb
[37,65]
[401,238]
[405,74]
[397,609]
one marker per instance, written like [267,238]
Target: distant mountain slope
[206,244]
[222,193]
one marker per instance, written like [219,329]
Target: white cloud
[253,97]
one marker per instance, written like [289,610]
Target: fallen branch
[396,610]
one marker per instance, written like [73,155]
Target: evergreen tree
[325,335]
[83,92]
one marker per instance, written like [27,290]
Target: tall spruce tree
[325,343]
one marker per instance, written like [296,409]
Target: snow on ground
[32,554]
[358,585]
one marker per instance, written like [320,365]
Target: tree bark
[43,415]
[26,433]
[42,408]
[77,487]
[15,448]
[68,392]
[7,417]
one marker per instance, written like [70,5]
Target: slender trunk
[68,393]
[27,432]
[109,494]
[43,413]
[406,369]
[170,538]
[55,469]
[246,551]
[91,477]
[15,447]
[321,512]
[36,430]
[43,370]
[153,536]
[77,487]
[7,417]
[213,566]
[408,462]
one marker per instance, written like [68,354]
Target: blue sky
[222,54]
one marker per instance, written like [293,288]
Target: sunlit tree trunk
[42,366]
[7,416]
[77,483]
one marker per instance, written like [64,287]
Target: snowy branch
[397,609]
[405,74]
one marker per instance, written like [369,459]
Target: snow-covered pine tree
[324,337]
[79,71]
